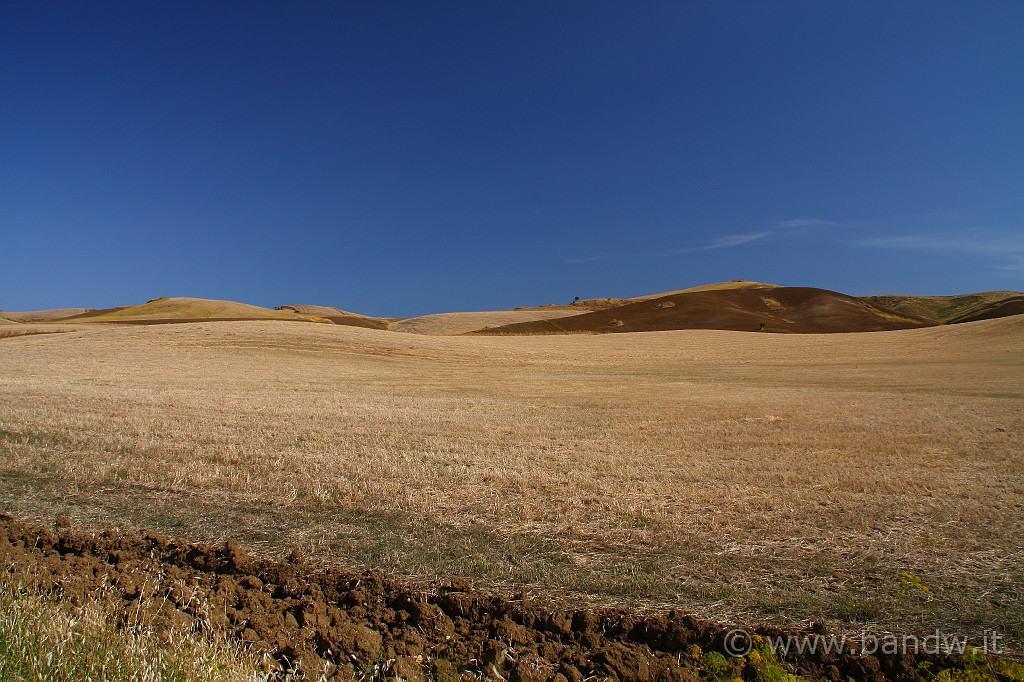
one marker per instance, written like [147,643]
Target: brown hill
[952,309]
[449,324]
[778,309]
[1013,305]
[337,316]
[592,304]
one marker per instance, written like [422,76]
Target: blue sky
[398,158]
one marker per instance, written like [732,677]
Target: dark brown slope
[337,316]
[952,309]
[1013,305]
[797,310]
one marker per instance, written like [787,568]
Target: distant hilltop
[738,305]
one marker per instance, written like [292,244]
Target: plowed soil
[345,625]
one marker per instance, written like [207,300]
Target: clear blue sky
[398,158]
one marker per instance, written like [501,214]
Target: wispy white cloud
[798,223]
[1009,249]
[976,243]
[914,242]
[588,259]
[950,232]
[728,241]
[605,256]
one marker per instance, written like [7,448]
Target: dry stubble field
[746,477]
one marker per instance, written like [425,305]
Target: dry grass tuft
[51,639]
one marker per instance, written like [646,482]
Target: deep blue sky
[398,158]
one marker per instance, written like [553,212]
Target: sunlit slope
[42,315]
[192,310]
[717,286]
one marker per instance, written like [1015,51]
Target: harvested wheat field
[871,480]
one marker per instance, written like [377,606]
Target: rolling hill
[337,316]
[953,309]
[43,315]
[447,324]
[169,310]
[717,286]
[1013,305]
[768,309]
[738,305]
[592,304]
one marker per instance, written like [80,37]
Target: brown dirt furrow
[361,626]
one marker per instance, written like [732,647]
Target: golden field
[871,479]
